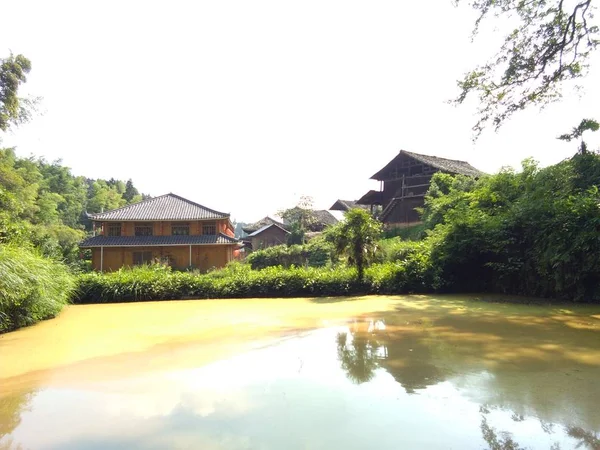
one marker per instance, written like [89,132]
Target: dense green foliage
[317,253]
[411,233]
[32,287]
[534,233]
[43,205]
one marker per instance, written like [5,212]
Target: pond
[416,372]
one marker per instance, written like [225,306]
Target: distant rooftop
[252,227]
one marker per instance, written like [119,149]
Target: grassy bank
[32,287]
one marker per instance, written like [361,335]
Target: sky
[245,106]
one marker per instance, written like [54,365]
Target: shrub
[317,253]
[32,287]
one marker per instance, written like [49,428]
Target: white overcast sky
[244,106]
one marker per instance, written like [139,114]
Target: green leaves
[532,233]
[577,132]
[551,45]
[13,109]
[356,237]
[32,287]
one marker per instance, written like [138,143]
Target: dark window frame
[144,229]
[209,226]
[114,229]
[142,257]
[183,229]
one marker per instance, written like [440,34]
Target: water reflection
[369,345]
[428,376]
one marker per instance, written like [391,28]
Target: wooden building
[267,236]
[404,182]
[253,227]
[168,228]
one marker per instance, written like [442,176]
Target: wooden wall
[269,238]
[204,257]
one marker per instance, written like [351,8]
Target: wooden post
[190,256]
[101,258]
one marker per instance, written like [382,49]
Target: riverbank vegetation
[533,233]
[32,287]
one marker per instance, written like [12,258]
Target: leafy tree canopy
[14,109]
[550,44]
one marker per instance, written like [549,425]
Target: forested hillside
[44,205]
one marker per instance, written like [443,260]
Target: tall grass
[32,287]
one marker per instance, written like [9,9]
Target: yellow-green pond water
[418,372]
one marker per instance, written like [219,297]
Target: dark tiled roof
[165,207]
[265,228]
[324,217]
[447,165]
[346,205]
[153,241]
[371,198]
[251,228]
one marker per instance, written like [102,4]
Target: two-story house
[168,228]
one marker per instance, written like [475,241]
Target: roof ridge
[130,205]
[196,204]
[153,199]
[408,152]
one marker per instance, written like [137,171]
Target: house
[168,228]
[404,181]
[251,228]
[267,236]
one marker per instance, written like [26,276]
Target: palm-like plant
[356,237]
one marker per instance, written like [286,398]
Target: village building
[169,228]
[404,181]
[253,227]
[267,236]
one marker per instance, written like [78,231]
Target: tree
[356,238]
[550,45]
[14,109]
[130,191]
[577,132]
[299,219]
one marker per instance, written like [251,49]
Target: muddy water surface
[397,372]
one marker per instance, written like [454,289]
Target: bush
[317,253]
[32,287]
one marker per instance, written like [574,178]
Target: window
[140,258]
[143,229]
[180,229]
[114,229]
[209,228]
